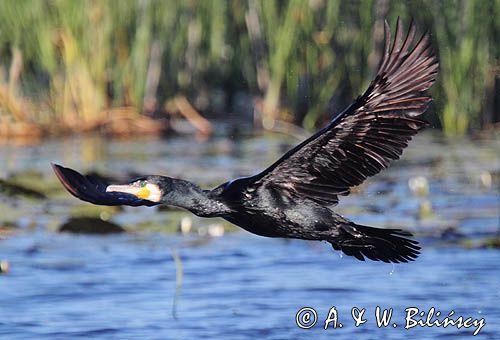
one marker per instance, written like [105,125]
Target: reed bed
[83,65]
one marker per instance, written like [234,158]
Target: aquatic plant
[79,64]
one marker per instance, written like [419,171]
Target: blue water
[241,286]
[235,287]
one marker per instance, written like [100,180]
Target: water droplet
[392,270]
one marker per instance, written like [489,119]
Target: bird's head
[151,188]
[146,190]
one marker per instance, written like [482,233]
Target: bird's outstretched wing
[92,189]
[362,140]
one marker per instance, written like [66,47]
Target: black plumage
[294,197]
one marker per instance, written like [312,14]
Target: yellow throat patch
[143,193]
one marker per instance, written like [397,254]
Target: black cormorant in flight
[293,198]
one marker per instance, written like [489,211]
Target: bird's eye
[142,184]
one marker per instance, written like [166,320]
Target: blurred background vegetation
[127,65]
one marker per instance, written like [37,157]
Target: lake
[152,283]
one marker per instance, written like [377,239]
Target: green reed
[81,59]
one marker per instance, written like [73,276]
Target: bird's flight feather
[362,140]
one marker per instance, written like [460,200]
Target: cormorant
[293,198]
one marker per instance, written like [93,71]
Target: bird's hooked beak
[150,192]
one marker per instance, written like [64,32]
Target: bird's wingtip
[66,177]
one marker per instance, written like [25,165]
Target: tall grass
[74,62]
[468,50]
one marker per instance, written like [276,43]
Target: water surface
[242,286]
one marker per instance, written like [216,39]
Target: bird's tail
[388,245]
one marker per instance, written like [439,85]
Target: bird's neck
[191,197]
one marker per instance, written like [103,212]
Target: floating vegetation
[425,210]
[10,189]
[489,242]
[89,225]
[169,227]
[180,222]
[7,229]
[89,210]
[492,242]
[458,202]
